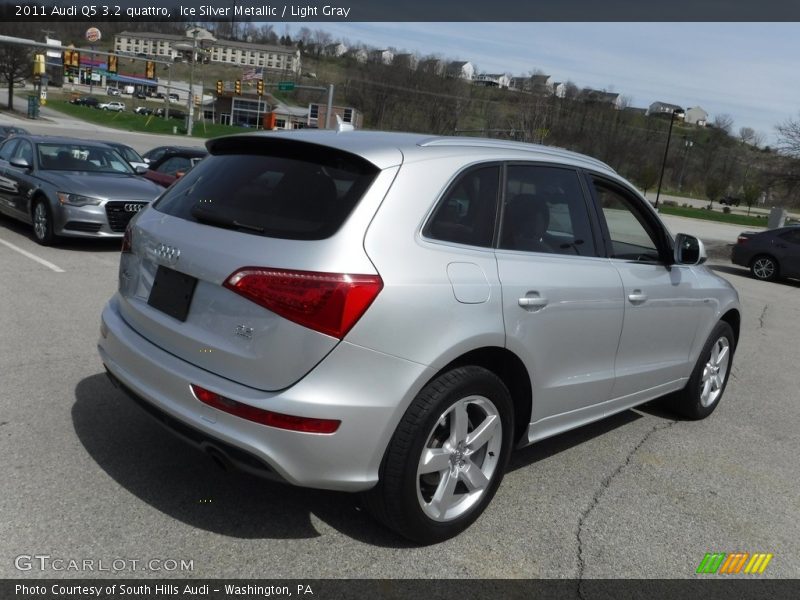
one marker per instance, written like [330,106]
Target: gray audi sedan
[393,314]
[70,187]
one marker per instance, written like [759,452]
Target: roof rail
[510,145]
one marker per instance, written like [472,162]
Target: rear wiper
[212,218]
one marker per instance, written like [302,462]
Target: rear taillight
[742,239]
[127,241]
[264,417]
[330,303]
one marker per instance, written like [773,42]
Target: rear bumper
[739,256]
[368,391]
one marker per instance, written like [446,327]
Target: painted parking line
[41,261]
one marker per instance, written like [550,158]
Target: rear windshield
[285,195]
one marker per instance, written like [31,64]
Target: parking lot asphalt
[86,475]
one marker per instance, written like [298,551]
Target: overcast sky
[750,71]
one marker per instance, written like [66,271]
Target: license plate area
[172,292]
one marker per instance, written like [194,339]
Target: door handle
[533,303]
[637,297]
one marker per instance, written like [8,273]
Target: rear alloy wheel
[710,376]
[43,223]
[447,457]
[764,267]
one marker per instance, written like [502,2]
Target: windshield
[79,157]
[128,154]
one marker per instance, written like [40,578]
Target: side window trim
[663,241]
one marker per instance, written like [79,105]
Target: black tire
[764,267]
[691,401]
[43,229]
[400,500]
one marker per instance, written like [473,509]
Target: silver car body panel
[588,349]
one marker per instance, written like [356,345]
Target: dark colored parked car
[172,164]
[730,201]
[85,101]
[173,113]
[769,254]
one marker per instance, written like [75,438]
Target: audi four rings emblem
[167,253]
[130,207]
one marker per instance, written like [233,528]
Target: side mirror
[689,250]
[20,163]
[140,170]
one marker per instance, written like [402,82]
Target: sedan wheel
[43,223]
[447,456]
[764,268]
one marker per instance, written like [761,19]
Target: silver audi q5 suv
[393,313]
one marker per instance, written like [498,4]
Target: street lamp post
[190,110]
[666,151]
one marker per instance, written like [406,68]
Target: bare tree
[789,137]
[571,90]
[321,38]
[723,122]
[747,134]
[15,65]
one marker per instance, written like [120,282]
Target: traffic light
[112,63]
[260,87]
[196,98]
[38,64]
[219,87]
[75,59]
[66,58]
[150,70]
[237,87]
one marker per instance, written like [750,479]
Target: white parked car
[115,106]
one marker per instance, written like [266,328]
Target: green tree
[647,177]
[715,187]
[750,193]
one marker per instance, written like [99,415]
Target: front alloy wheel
[715,372]
[447,456]
[707,383]
[42,223]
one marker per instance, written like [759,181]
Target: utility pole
[666,151]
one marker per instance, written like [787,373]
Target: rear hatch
[252,266]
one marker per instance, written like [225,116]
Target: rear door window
[303,195]
[545,210]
